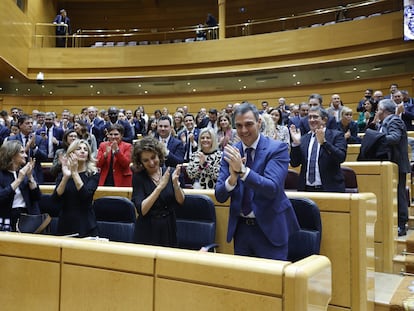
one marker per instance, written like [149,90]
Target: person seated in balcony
[63,28]
[348,126]
[204,164]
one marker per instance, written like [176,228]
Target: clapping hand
[295,134]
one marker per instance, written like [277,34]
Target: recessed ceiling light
[294,75]
[43,86]
[357,77]
[354,69]
[240,80]
[298,82]
[146,92]
[98,92]
[188,83]
[194,90]
[50,92]
[11,77]
[244,86]
[91,86]
[139,85]
[28,90]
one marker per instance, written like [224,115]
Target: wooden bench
[348,222]
[57,273]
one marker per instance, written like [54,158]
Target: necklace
[156,177]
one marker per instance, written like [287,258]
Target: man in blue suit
[329,147]
[189,136]
[175,148]
[252,174]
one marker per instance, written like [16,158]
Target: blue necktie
[246,202]
[312,161]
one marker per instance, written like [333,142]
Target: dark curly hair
[150,144]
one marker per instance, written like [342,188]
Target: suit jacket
[96,127]
[39,153]
[4,132]
[57,133]
[396,137]
[408,115]
[331,155]
[273,210]
[188,146]
[177,151]
[31,197]
[120,167]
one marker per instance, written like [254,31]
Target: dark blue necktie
[247,194]
[312,161]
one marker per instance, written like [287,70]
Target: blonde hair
[213,136]
[90,164]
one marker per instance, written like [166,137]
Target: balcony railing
[138,36]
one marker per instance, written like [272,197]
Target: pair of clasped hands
[69,164]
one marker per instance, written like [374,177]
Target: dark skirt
[160,230]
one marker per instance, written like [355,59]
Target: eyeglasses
[348,114]
[313,117]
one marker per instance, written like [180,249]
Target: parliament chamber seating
[196,223]
[87,275]
[307,240]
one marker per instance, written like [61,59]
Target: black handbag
[28,223]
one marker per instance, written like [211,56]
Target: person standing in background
[62,31]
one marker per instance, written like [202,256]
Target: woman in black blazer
[19,191]
[75,188]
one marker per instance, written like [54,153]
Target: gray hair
[387,105]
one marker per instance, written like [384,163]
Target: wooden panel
[17,246]
[229,271]
[381,178]
[26,282]
[123,257]
[88,289]
[176,296]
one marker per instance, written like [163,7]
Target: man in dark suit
[321,172]
[315,100]
[252,174]
[35,146]
[189,136]
[396,137]
[52,134]
[175,148]
[96,125]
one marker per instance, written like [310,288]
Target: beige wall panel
[89,289]
[180,296]
[29,284]
[104,255]
[50,252]
[230,271]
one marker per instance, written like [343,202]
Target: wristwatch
[243,170]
